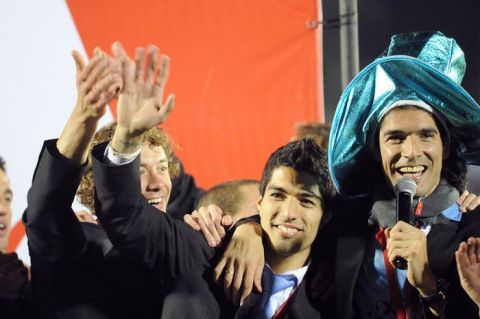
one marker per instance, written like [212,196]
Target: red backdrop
[244,71]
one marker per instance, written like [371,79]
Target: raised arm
[53,230]
[142,233]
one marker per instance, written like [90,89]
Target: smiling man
[407,116]
[296,193]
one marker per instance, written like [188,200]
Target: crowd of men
[316,236]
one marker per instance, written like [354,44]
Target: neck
[282,263]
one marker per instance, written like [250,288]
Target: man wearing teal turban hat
[404,115]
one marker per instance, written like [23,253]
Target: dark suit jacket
[179,254]
[75,271]
[442,242]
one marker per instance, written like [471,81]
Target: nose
[154,182]
[411,148]
[3,206]
[289,208]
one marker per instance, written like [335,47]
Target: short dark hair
[228,196]
[3,165]
[302,155]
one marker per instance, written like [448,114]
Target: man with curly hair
[76,273]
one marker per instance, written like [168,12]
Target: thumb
[118,50]
[227,220]
[79,62]
[167,107]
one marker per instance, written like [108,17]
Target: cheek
[143,182]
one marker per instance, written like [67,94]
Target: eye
[395,139]
[426,134]
[143,171]
[306,202]
[277,195]
[162,169]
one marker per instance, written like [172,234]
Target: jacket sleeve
[140,232]
[53,231]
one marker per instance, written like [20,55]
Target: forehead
[150,153]
[293,180]
[407,119]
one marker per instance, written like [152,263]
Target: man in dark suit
[75,271]
[295,196]
[294,205]
[405,115]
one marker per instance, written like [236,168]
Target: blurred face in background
[5,210]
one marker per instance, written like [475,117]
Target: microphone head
[405,185]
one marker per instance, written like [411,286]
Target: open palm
[140,106]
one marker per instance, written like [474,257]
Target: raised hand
[468,266]
[96,84]
[140,106]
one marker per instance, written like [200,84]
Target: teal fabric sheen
[432,77]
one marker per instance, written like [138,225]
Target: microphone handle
[404,204]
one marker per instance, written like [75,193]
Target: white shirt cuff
[116,158]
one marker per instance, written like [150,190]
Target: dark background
[378,20]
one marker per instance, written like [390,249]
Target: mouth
[414,172]
[287,230]
[157,202]
[3,228]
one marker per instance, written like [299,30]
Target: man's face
[154,177]
[410,145]
[5,210]
[290,212]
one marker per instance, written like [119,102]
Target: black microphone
[404,190]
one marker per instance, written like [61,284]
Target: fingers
[227,221]
[257,279]
[94,69]
[96,93]
[151,63]
[462,197]
[228,278]
[237,284]
[203,220]
[139,63]
[216,215]
[472,251]
[217,273]
[163,72]
[187,218]
[247,284]
[212,215]
[469,203]
[118,50]
[462,259]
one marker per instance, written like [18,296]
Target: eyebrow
[159,162]
[303,192]
[399,132]
[8,191]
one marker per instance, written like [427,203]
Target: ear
[259,203]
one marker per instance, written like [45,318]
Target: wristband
[437,297]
